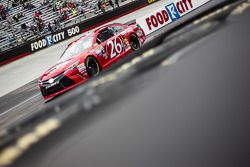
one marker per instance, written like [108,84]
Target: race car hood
[59,68]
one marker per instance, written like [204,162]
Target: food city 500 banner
[172,11]
[54,38]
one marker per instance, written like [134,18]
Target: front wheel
[135,42]
[92,66]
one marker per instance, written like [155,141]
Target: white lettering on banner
[48,41]
[52,39]
[73,31]
[167,14]
[172,11]
[38,44]
[58,37]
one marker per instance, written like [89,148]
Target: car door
[112,43]
[123,32]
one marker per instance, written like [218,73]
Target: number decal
[114,47]
[73,31]
[110,49]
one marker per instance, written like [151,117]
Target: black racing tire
[92,65]
[135,42]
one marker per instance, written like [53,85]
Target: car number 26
[114,47]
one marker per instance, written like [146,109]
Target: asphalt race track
[187,106]
[189,110]
[21,96]
[20,77]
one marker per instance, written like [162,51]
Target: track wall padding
[170,12]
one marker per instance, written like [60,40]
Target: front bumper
[61,84]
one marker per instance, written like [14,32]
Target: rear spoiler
[132,22]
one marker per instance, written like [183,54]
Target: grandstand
[21,23]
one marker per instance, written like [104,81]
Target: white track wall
[171,11]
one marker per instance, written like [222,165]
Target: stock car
[90,54]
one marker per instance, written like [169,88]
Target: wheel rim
[135,43]
[93,67]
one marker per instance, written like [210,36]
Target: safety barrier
[167,14]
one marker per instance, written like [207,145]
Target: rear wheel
[135,42]
[92,66]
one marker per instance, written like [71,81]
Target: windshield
[76,48]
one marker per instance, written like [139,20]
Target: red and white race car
[90,54]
